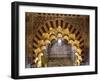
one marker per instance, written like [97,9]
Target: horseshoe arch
[48,33]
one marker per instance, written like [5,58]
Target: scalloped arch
[53,30]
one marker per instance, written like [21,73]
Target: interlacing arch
[55,33]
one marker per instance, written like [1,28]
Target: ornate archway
[55,30]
